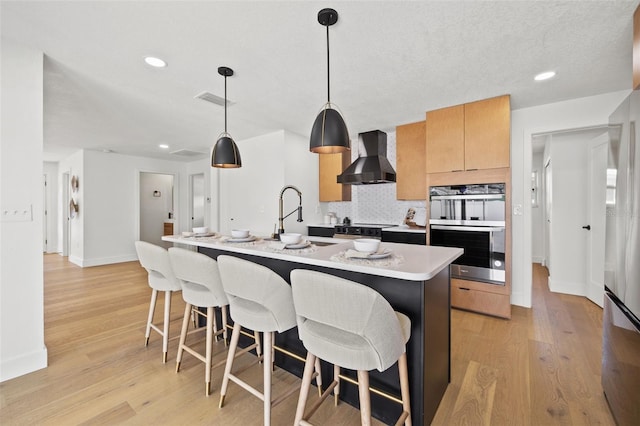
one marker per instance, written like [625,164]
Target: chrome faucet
[281,218]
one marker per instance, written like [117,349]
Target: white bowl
[201,230]
[290,238]
[366,245]
[187,234]
[239,233]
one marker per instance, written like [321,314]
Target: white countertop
[414,262]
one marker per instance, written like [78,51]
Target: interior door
[197,200]
[597,214]
[548,197]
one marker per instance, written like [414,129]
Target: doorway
[157,208]
[573,204]
[197,200]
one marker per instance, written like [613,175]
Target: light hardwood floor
[540,368]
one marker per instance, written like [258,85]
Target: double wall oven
[471,217]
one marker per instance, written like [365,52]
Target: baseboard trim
[567,287]
[23,364]
[87,263]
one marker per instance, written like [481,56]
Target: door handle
[587,227]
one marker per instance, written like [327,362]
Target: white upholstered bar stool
[352,326]
[202,288]
[155,260]
[260,300]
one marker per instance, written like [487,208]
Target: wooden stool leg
[268,353]
[183,335]
[365,400]
[404,386]
[224,324]
[152,308]
[336,390]
[235,336]
[165,328]
[256,337]
[207,372]
[304,387]
[319,376]
[215,323]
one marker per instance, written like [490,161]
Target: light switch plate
[16,214]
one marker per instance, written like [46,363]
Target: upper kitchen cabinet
[410,162]
[445,139]
[473,136]
[330,166]
[487,133]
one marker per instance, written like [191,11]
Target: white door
[197,200]
[548,197]
[597,217]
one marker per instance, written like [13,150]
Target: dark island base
[426,303]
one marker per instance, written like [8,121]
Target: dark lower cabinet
[404,237]
[320,231]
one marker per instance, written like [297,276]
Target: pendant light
[225,152]
[329,133]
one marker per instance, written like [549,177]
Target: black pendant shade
[329,134]
[225,152]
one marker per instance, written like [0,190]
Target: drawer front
[480,301]
[319,231]
[404,237]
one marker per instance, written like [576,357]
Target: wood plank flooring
[540,368]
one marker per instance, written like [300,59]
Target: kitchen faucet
[281,218]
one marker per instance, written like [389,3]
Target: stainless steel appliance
[360,230]
[621,323]
[471,217]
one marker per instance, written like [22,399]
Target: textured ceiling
[390,62]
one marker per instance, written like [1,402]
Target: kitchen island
[415,281]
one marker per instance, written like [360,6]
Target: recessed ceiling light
[155,62]
[163,146]
[545,75]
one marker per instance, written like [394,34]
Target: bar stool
[351,326]
[155,260]
[201,288]
[260,300]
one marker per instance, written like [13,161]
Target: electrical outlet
[16,214]
[517,210]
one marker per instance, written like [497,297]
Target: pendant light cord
[328,70]
[225,104]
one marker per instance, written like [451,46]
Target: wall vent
[188,153]
[214,99]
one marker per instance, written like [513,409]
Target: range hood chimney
[373,166]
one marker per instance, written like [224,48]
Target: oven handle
[468,228]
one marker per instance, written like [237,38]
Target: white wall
[108,198]
[22,347]
[74,166]
[249,195]
[526,122]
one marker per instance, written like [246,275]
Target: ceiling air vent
[214,99]
[188,153]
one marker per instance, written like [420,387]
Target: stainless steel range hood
[373,166]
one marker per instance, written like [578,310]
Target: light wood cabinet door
[411,181]
[487,133]
[330,166]
[445,139]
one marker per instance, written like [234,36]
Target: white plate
[206,234]
[300,245]
[241,240]
[379,255]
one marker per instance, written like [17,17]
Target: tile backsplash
[374,203]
